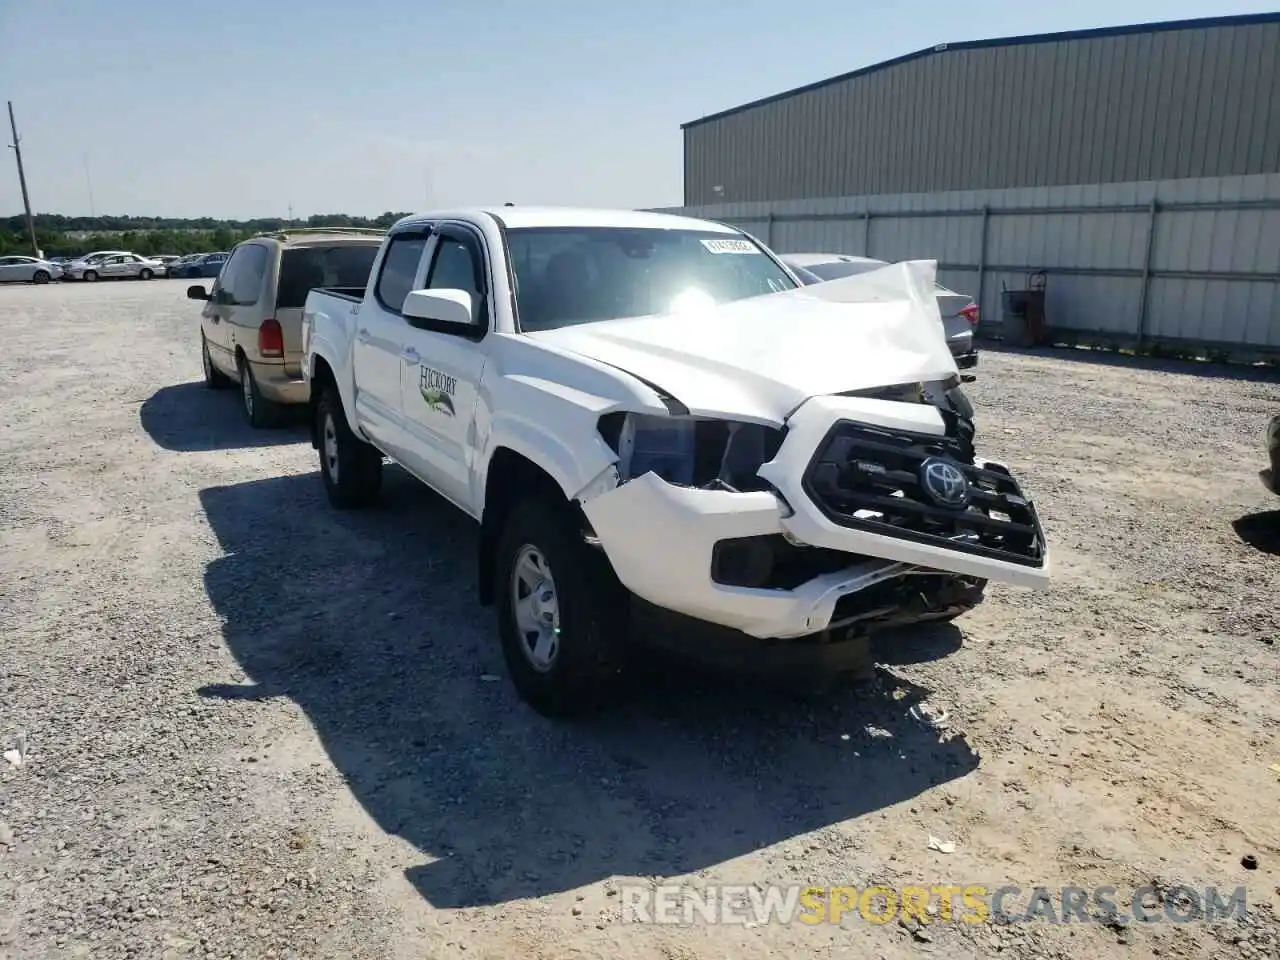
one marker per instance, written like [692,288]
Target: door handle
[363,335]
[410,355]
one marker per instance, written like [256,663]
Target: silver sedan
[28,270]
[114,267]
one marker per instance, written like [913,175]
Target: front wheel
[145,275]
[91,275]
[562,614]
[214,378]
[351,468]
[40,276]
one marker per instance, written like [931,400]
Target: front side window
[570,275]
[457,266]
[399,267]
[454,268]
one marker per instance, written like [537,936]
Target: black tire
[91,275]
[214,378]
[969,596]
[40,276]
[145,274]
[258,410]
[351,468]
[592,609]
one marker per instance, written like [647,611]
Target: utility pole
[89,181]
[16,147]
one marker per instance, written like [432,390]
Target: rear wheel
[40,276]
[260,411]
[214,378]
[351,468]
[145,274]
[562,614]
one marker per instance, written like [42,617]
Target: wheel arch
[322,377]
[511,478]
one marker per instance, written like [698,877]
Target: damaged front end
[867,510]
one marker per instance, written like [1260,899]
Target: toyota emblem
[945,483]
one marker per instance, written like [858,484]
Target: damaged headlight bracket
[692,451]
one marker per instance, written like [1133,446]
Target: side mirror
[453,307]
[197,292]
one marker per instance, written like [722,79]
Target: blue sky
[241,108]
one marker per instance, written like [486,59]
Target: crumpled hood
[760,358]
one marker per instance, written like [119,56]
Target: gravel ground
[254,727]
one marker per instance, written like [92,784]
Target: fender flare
[571,469]
[326,350]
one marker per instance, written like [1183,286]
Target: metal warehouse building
[1137,167]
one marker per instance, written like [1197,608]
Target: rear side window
[302,269]
[399,267]
[242,277]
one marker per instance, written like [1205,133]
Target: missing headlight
[689,451]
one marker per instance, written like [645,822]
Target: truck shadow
[189,417]
[1260,531]
[375,633]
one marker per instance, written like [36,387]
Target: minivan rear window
[304,268]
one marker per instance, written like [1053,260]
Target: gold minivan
[251,324]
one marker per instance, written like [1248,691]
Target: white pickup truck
[650,415]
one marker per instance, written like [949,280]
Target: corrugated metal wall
[1169,104]
[1208,273]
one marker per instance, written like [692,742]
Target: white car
[28,270]
[958,311]
[648,415]
[114,266]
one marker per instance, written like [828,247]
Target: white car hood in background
[758,359]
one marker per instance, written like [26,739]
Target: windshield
[570,275]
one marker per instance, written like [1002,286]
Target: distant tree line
[61,236]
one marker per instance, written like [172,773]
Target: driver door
[443,363]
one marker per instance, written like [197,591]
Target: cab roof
[516,217]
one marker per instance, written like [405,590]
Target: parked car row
[110,265]
[648,416]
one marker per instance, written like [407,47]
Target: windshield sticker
[730,246]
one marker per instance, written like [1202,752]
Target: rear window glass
[304,268]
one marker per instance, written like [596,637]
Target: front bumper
[662,539]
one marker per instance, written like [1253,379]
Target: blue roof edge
[1238,20]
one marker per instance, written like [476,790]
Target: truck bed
[355,294]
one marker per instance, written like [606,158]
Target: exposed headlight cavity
[690,451]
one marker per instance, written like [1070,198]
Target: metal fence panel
[1193,260]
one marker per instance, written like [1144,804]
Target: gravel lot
[256,728]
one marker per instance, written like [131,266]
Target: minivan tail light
[270,338]
[970,313]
